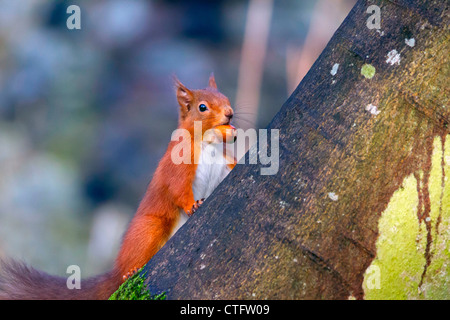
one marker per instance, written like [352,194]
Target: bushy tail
[21,282]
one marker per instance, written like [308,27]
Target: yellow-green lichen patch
[402,243]
[368,71]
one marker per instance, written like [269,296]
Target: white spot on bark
[334,70]
[410,42]
[333,196]
[373,109]
[212,243]
[393,57]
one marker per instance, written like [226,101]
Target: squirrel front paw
[129,274]
[195,207]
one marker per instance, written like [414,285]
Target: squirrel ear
[184,95]
[212,81]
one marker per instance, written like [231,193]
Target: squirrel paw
[195,207]
[130,273]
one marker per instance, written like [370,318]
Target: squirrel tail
[21,282]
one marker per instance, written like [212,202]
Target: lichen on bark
[413,251]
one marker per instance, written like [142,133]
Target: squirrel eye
[202,108]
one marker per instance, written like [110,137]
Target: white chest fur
[211,170]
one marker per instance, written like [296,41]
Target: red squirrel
[175,193]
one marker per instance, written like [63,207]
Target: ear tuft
[184,95]
[212,81]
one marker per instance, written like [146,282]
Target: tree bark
[348,139]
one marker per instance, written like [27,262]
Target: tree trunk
[368,120]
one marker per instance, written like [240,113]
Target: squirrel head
[207,105]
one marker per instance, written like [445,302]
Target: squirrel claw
[195,207]
[130,273]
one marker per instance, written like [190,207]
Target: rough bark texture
[309,232]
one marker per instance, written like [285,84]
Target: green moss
[368,71]
[400,259]
[135,289]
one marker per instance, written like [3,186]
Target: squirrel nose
[229,114]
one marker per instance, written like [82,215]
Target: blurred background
[85,115]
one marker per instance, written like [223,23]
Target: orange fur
[171,187]
[169,191]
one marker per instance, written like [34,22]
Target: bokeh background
[86,114]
